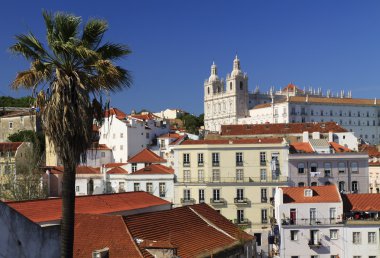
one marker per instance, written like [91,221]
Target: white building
[230,102]
[127,135]
[170,113]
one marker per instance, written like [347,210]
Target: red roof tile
[291,88]
[370,149]
[334,101]
[146,156]
[179,140]
[300,147]
[145,117]
[79,170]
[327,193]
[154,169]
[265,105]
[235,141]
[112,165]
[361,202]
[9,146]
[170,135]
[195,230]
[114,111]
[292,128]
[117,170]
[94,232]
[50,209]
[339,148]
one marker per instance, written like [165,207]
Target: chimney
[305,136]
[331,138]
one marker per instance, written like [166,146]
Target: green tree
[6,101]
[69,76]
[36,138]
[192,123]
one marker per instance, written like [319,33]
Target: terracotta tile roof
[326,193]
[97,146]
[361,202]
[112,165]
[235,141]
[292,128]
[145,117]
[265,105]
[117,112]
[169,135]
[79,170]
[300,147]
[179,140]
[146,156]
[117,170]
[195,231]
[370,149]
[154,169]
[339,148]
[50,209]
[291,88]
[334,101]
[9,146]
[93,232]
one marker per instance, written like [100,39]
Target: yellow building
[236,177]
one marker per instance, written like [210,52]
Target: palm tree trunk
[68,208]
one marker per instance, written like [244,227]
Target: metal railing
[211,179]
[242,201]
[218,202]
[308,221]
[242,222]
[187,201]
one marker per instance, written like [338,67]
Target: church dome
[214,75]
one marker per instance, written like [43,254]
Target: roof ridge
[212,224]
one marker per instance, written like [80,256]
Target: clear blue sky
[325,43]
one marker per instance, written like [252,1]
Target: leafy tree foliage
[6,101]
[192,123]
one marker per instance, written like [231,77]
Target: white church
[230,102]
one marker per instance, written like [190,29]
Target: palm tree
[68,78]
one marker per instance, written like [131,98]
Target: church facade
[231,102]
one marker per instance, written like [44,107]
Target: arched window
[314,184]
[241,85]
[208,90]
[301,168]
[230,85]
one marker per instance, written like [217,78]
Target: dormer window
[308,193]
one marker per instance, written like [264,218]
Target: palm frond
[27,79]
[113,51]
[93,32]
[66,26]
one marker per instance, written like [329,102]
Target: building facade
[230,102]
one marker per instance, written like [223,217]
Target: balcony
[200,164]
[187,201]
[242,222]
[218,202]
[305,222]
[263,163]
[215,164]
[242,202]
[187,164]
[314,243]
[251,180]
[264,200]
[239,163]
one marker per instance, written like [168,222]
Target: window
[313,215]
[301,184]
[264,197]
[121,147]
[313,167]
[301,168]
[216,194]
[215,159]
[331,113]
[134,167]
[186,175]
[215,175]
[263,174]
[314,184]
[104,136]
[314,256]
[10,125]
[294,235]
[241,85]
[321,112]
[354,167]
[240,216]
[186,159]
[121,135]
[239,194]
[332,214]
[162,188]
[149,187]
[333,234]
[371,237]
[341,167]
[121,187]
[357,256]
[262,158]
[327,169]
[77,188]
[264,216]
[136,187]
[200,159]
[186,194]
[239,174]
[314,237]
[201,195]
[356,238]
[342,186]
[340,112]
[239,159]
[355,186]
[102,154]
[201,176]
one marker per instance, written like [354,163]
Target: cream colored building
[17,120]
[236,177]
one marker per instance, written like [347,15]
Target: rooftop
[117,170]
[335,101]
[361,202]
[307,147]
[235,141]
[117,112]
[112,165]
[321,194]
[283,129]
[46,210]
[154,169]
[9,146]
[146,156]
[79,170]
